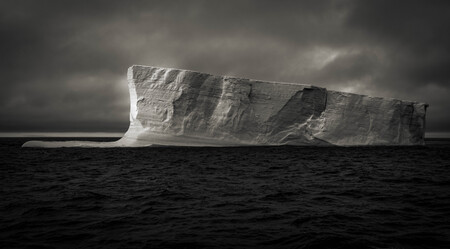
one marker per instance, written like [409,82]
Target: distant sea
[245,197]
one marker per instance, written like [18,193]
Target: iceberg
[174,107]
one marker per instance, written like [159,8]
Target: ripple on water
[264,197]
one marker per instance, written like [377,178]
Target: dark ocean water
[254,197]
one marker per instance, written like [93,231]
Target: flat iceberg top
[176,107]
[137,69]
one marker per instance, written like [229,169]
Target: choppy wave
[248,197]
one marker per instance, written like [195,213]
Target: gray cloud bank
[63,65]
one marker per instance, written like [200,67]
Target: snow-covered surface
[185,108]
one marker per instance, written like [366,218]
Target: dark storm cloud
[416,48]
[64,62]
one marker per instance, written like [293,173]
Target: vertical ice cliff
[181,107]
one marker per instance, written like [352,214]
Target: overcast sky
[63,63]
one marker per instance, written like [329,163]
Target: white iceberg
[175,107]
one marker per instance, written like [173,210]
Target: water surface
[247,197]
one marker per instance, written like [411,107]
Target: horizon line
[61,134]
[120,134]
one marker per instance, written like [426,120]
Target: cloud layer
[64,62]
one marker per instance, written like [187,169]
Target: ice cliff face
[181,107]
